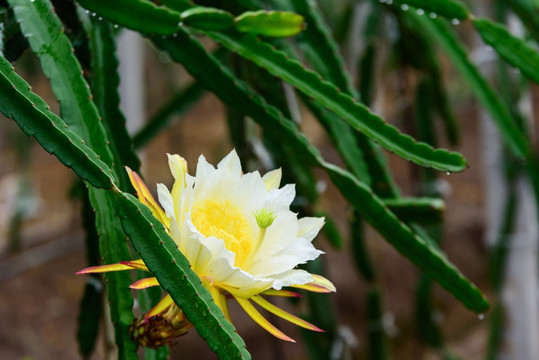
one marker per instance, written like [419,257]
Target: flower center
[226,222]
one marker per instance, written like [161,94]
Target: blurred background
[42,238]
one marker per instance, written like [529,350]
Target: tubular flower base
[240,237]
[159,330]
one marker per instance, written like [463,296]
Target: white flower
[238,233]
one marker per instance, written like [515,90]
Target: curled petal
[283,293]
[104,268]
[319,285]
[145,197]
[144,283]
[135,264]
[283,314]
[260,320]
[160,307]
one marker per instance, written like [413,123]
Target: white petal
[272,179]
[249,193]
[280,199]
[309,227]
[165,198]
[204,169]
[298,252]
[292,277]
[231,162]
[278,235]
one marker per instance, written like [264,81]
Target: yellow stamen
[226,222]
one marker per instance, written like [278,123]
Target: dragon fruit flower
[240,237]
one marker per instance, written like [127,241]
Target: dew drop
[448,173]
[86,11]
[481,316]
[433,15]
[100,18]
[455,21]
[116,26]
[180,24]
[94,14]
[420,12]
[404,7]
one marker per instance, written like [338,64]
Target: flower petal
[298,252]
[283,293]
[145,196]
[309,227]
[231,163]
[160,307]
[260,320]
[291,278]
[272,179]
[178,167]
[135,264]
[280,199]
[166,200]
[221,301]
[285,315]
[144,283]
[319,284]
[104,268]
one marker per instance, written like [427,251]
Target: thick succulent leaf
[113,249]
[178,5]
[13,41]
[360,253]
[91,304]
[90,315]
[217,78]
[322,51]
[512,49]
[450,9]
[513,136]
[45,34]
[207,18]
[31,113]
[404,240]
[527,14]
[420,210]
[319,47]
[269,23]
[105,84]
[180,103]
[378,343]
[357,115]
[173,271]
[343,139]
[141,15]
[366,161]
[213,75]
